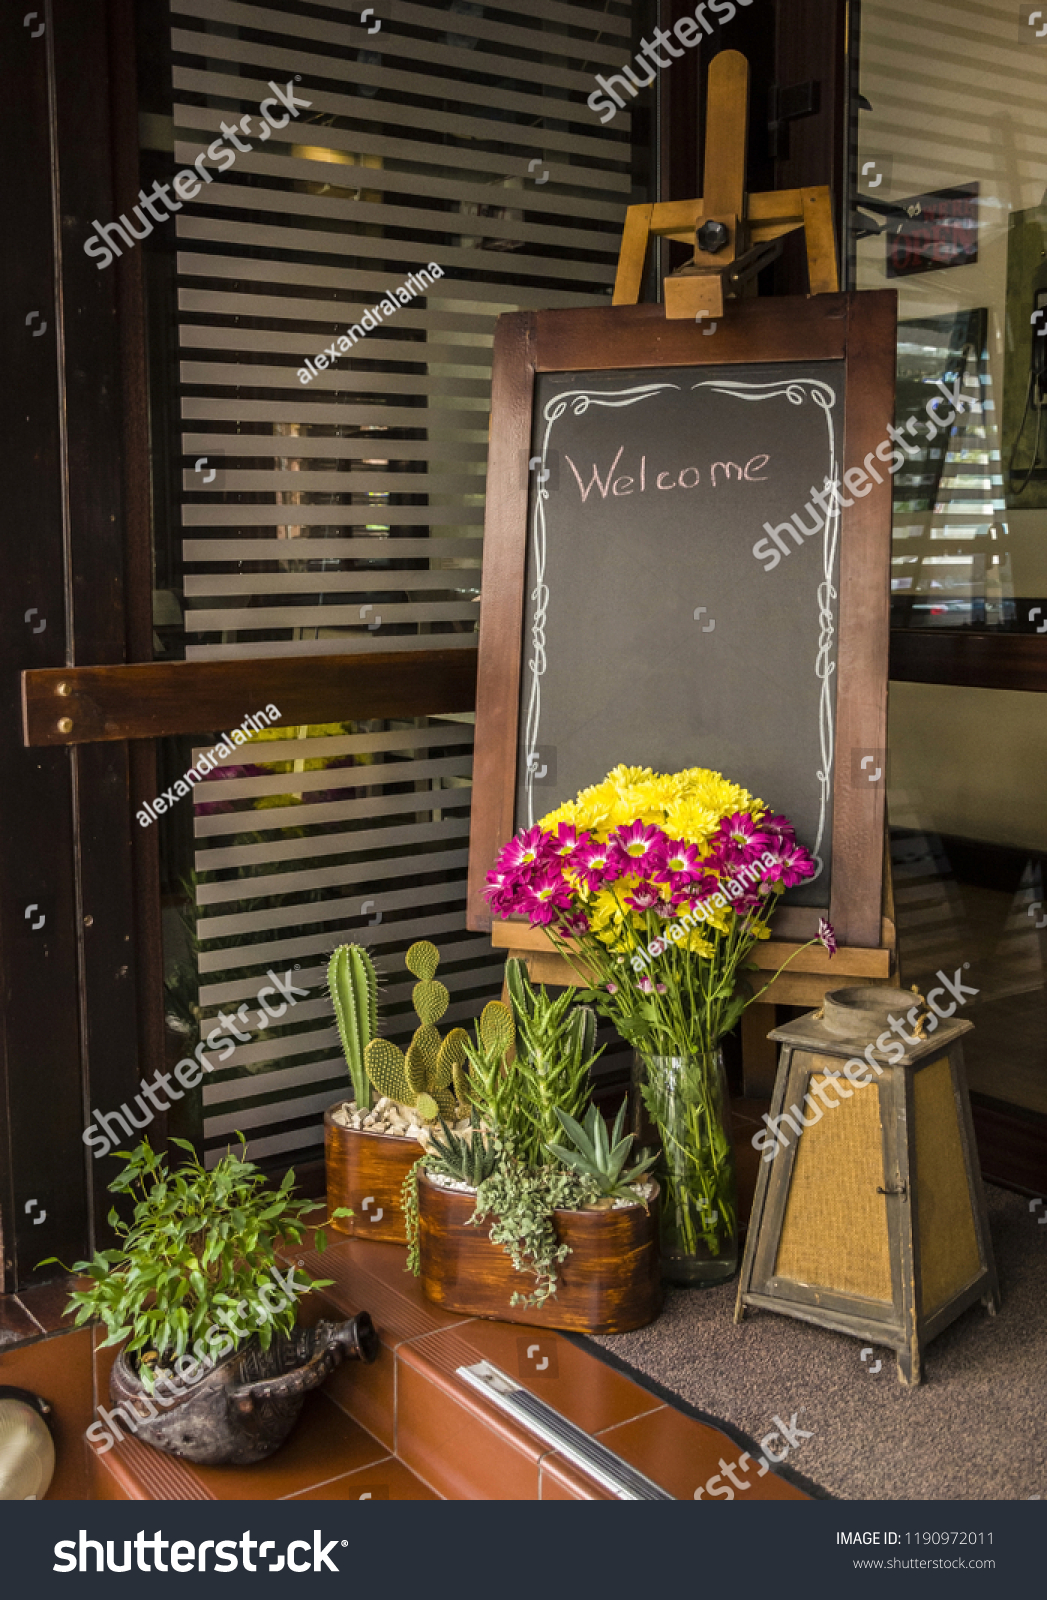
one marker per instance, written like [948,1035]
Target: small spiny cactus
[423,1077]
[353,987]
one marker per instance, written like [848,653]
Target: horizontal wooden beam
[850,961]
[969,660]
[83,705]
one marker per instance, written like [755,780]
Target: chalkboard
[667,582]
[694,653]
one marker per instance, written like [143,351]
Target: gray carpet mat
[976,1428]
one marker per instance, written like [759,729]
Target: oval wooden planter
[610,1283]
[367,1166]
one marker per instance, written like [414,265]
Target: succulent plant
[468,1159]
[485,1083]
[598,1156]
[422,1078]
[353,987]
[528,1062]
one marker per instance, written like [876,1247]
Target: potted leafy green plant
[372,1141]
[572,1235]
[213,1366]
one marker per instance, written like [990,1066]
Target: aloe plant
[487,1084]
[353,986]
[468,1160]
[598,1156]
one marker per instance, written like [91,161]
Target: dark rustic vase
[245,1406]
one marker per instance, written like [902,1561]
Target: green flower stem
[702,999]
[697,1164]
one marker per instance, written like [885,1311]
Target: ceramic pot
[367,1167]
[242,1409]
[609,1283]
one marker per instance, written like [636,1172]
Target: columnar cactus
[423,1077]
[353,987]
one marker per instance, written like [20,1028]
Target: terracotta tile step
[464,1447]
[408,1427]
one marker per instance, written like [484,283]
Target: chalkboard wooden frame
[857,328]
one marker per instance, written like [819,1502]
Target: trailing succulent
[521,1200]
[429,1077]
[601,1157]
[353,986]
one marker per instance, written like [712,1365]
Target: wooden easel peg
[735,235]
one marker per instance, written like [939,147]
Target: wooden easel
[735,235]
[747,239]
[748,229]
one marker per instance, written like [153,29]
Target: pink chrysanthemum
[546,896]
[524,851]
[781,828]
[827,935]
[644,897]
[637,848]
[592,862]
[505,893]
[703,888]
[645,983]
[567,841]
[752,898]
[683,865]
[740,840]
[792,865]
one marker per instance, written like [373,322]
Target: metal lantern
[869,1215]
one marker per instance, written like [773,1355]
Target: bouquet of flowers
[656,887]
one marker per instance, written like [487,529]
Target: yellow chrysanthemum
[564,813]
[717,917]
[623,777]
[692,821]
[688,804]
[603,909]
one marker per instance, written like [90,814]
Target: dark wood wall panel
[94,412]
[41,1156]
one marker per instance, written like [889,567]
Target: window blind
[346,514]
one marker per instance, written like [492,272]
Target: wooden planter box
[610,1283]
[367,1166]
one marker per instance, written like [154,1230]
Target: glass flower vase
[681,1103]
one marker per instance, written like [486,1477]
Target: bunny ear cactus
[423,1077]
[429,998]
[353,987]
